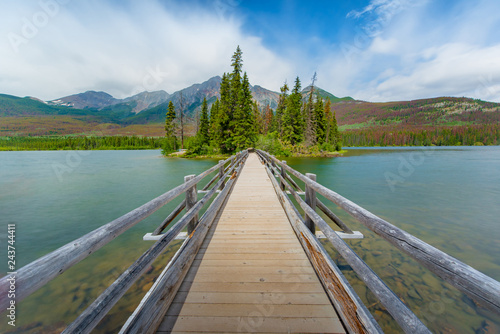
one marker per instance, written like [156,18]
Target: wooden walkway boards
[251,273]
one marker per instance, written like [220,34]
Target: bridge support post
[221,174]
[282,185]
[191,198]
[311,201]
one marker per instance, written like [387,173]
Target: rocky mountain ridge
[192,97]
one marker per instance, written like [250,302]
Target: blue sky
[375,50]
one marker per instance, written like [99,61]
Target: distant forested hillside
[438,121]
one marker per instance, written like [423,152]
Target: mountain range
[144,113]
[139,108]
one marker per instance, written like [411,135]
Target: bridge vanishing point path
[251,274]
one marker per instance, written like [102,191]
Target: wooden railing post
[236,157]
[269,165]
[282,185]
[311,201]
[191,198]
[221,174]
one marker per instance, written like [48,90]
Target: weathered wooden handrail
[221,175]
[310,200]
[178,209]
[149,314]
[480,287]
[351,309]
[89,318]
[408,321]
[191,198]
[36,274]
[182,205]
[216,176]
[333,217]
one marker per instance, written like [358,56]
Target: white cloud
[125,47]
[382,8]
[384,46]
[401,49]
[424,53]
[453,69]
[380,13]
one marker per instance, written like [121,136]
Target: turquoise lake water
[448,197]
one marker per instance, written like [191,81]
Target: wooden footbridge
[252,263]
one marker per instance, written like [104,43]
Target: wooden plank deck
[251,273]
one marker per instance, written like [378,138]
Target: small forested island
[236,122]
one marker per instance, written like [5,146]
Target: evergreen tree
[293,123]
[281,109]
[310,117]
[225,115]
[215,125]
[204,123]
[170,143]
[243,124]
[234,96]
[310,121]
[321,125]
[181,117]
[169,121]
[236,122]
[232,124]
[335,133]
[328,116]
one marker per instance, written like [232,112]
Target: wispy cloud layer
[379,13]
[123,48]
[388,49]
[420,52]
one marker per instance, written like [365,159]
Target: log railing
[480,287]
[149,314]
[39,272]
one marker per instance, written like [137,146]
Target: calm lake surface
[448,197]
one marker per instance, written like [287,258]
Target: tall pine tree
[293,122]
[335,133]
[169,121]
[232,119]
[170,143]
[225,115]
[281,109]
[310,117]
[332,131]
[204,123]
[321,123]
[243,125]
[215,124]
[328,116]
